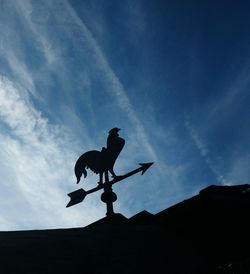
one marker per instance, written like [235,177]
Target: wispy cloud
[68,22]
[229,170]
[38,165]
[204,152]
[231,93]
[115,86]
[230,167]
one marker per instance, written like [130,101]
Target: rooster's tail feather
[80,168]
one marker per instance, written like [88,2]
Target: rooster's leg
[100,178]
[106,174]
[112,173]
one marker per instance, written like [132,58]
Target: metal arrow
[78,196]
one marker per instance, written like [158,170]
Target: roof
[196,236]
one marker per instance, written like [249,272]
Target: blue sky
[173,75]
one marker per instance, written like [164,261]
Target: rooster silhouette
[103,161]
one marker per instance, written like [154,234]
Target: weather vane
[102,162]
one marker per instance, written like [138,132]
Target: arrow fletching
[76,197]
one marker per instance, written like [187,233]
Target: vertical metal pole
[108,190]
[106,176]
[108,196]
[110,209]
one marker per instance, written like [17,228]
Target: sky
[173,75]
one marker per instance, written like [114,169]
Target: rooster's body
[101,161]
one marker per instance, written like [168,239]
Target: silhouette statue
[101,162]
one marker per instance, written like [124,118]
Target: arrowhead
[76,197]
[145,167]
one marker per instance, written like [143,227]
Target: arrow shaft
[94,189]
[122,177]
[114,181]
